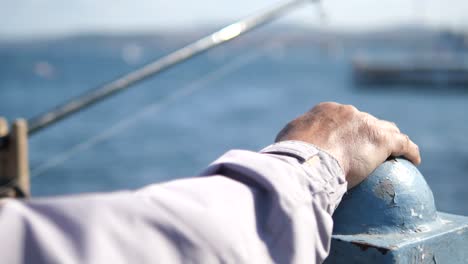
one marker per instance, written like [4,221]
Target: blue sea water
[237,96]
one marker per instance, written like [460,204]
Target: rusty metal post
[14,164]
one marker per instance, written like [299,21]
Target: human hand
[359,141]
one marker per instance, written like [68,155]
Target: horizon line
[42,36]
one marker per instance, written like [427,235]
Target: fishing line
[152,109]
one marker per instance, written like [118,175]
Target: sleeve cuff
[319,164]
[299,149]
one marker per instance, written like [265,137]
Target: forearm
[246,207]
[297,187]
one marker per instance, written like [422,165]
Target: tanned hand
[359,141]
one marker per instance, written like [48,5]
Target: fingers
[401,145]
[391,126]
[345,129]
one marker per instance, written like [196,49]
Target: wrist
[303,151]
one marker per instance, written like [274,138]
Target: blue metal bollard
[391,218]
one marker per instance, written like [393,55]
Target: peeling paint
[422,228]
[444,221]
[386,191]
[365,246]
[397,222]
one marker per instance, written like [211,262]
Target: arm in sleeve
[247,207]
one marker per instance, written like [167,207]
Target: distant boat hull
[366,71]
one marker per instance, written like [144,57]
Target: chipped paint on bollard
[391,218]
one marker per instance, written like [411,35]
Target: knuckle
[381,137]
[407,140]
[375,134]
[326,105]
[393,124]
[369,118]
[350,112]
[350,108]
[405,145]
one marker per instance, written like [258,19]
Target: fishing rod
[217,38]
[14,176]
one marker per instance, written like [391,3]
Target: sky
[30,18]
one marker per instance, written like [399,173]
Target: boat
[438,70]
[439,59]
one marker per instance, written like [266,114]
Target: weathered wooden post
[14,164]
[391,218]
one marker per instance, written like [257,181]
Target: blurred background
[401,60]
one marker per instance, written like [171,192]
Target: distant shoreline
[397,32]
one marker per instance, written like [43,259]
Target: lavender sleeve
[272,206]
